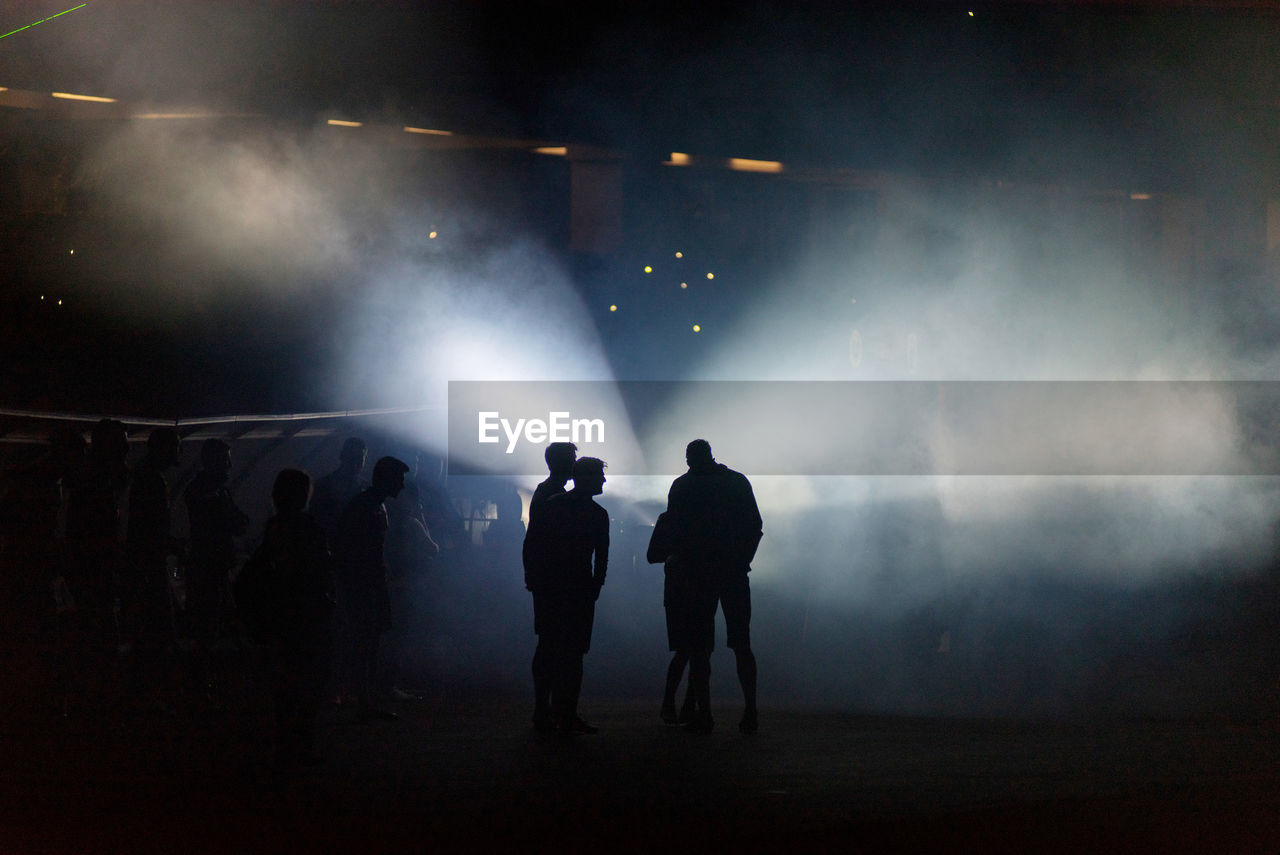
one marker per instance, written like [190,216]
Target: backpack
[663,541]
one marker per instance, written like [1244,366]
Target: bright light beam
[42,20]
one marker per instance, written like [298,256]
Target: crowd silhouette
[109,608]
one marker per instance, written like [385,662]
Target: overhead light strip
[72,97]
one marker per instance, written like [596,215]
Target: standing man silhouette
[560,457]
[149,542]
[566,554]
[719,530]
[214,522]
[333,492]
[362,579]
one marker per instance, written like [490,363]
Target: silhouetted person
[409,554]
[719,530]
[293,547]
[334,490]
[690,619]
[148,544]
[362,578]
[560,457]
[566,555]
[214,522]
[332,494]
[29,562]
[438,512]
[95,557]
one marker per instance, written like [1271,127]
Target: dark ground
[461,773]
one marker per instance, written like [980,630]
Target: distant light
[557,150]
[613,308]
[970,13]
[711,276]
[431,131]
[742,164]
[697,328]
[684,284]
[679,255]
[678,158]
[73,252]
[1139,196]
[70,97]
[433,234]
[648,269]
[41,296]
[59,302]
[343,123]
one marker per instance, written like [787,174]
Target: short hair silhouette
[588,467]
[291,490]
[560,457]
[698,451]
[108,439]
[386,470]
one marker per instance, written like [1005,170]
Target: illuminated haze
[1019,595]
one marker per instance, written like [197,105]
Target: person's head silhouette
[698,453]
[588,476]
[560,457]
[291,491]
[388,476]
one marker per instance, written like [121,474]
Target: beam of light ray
[42,20]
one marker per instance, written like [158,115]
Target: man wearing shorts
[720,528]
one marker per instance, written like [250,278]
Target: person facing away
[94,490]
[214,522]
[560,457]
[566,557]
[719,530]
[95,557]
[148,544]
[334,490]
[690,618]
[329,499]
[409,552]
[294,548]
[29,565]
[362,579]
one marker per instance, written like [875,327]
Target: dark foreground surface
[468,774]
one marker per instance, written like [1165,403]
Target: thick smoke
[975,595]
[1035,595]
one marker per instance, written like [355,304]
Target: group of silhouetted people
[329,578]
[315,572]
[315,577]
[705,540]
